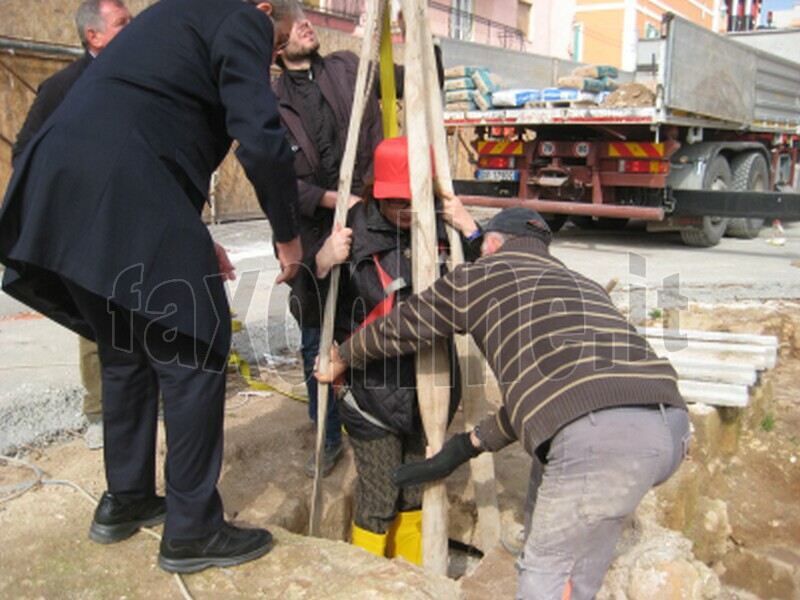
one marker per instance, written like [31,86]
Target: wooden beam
[363,88]
[471,362]
[433,385]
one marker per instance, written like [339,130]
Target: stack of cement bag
[589,84]
[469,88]
[585,85]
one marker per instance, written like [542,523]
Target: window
[461,20]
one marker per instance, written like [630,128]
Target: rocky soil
[727,526]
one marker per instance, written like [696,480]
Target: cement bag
[485,81]
[567,95]
[459,106]
[583,84]
[457,72]
[609,85]
[459,83]
[459,95]
[482,101]
[596,71]
[515,97]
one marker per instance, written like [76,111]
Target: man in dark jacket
[315,96]
[582,391]
[98,22]
[100,230]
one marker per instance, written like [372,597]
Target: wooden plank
[368,49]
[715,394]
[738,373]
[473,367]
[433,389]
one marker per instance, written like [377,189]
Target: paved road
[40,386]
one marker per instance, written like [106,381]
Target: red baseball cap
[391,169]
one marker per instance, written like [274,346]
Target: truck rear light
[496,162]
[644,166]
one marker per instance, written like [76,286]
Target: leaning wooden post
[433,379]
[368,47]
[473,366]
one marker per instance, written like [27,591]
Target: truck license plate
[497,175]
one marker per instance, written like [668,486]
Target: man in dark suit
[100,230]
[98,22]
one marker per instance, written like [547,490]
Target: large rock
[305,567]
[768,573]
[495,577]
[710,530]
[654,563]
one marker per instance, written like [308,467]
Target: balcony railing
[472,27]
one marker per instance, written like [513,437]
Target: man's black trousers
[138,358]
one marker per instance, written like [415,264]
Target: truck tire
[711,229]
[750,172]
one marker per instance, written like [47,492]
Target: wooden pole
[433,381]
[363,87]
[473,367]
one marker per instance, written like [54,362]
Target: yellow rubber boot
[405,537]
[369,541]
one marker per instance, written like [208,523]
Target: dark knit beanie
[520,221]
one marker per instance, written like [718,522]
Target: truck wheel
[750,172]
[711,229]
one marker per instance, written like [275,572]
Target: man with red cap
[582,391]
[378,404]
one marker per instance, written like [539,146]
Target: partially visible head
[514,222]
[99,21]
[392,187]
[302,44]
[283,14]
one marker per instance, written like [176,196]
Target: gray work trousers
[598,469]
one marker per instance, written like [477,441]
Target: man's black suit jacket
[109,192]
[49,95]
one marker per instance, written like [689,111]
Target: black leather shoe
[224,548]
[115,520]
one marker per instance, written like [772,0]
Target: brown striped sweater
[556,343]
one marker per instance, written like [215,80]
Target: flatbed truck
[716,153]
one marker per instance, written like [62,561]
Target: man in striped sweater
[582,391]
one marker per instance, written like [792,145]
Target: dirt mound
[630,95]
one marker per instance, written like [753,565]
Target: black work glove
[457,450]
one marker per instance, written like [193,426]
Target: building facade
[607,32]
[588,31]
